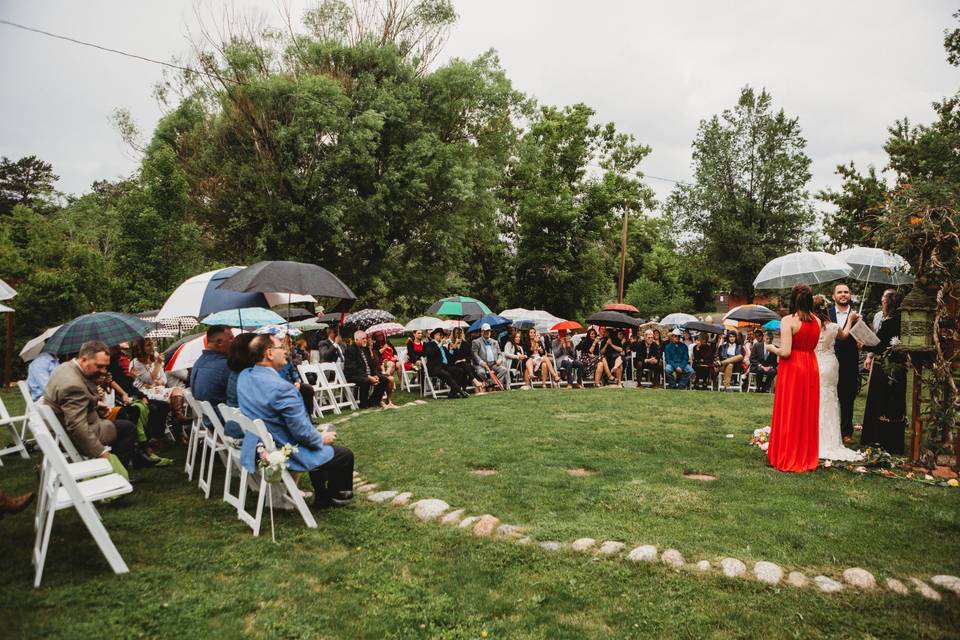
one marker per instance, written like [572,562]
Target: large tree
[748,202]
[28,181]
[858,203]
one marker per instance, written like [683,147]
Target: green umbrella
[107,326]
[459,307]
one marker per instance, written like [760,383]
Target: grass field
[376,572]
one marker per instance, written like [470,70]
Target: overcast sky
[846,69]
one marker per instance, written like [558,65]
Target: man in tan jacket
[72,394]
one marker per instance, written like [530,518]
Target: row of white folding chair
[210,443]
[60,489]
[196,434]
[255,519]
[331,391]
[15,424]
[409,379]
[28,404]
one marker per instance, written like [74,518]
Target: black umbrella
[706,327]
[294,313]
[752,313]
[613,319]
[368,317]
[283,276]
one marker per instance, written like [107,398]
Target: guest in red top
[794,428]
[388,357]
[414,350]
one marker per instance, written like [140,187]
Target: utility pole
[623,254]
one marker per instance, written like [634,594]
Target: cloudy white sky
[846,69]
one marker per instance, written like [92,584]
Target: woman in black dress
[884,418]
[589,349]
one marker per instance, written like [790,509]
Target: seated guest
[440,365]
[538,357]
[264,395]
[590,355]
[613,354]
[239,359]
[360,368]
[414,350]
[39,372]
[460,350]
[689,341]
[763,363]
[676,362]
[729,354]
[71,393]
[388,357]
[331,348]
[703,357]
[487,357]
[516,355]
[290,372]
[387,401]
[567,361]
[208,378]
[506,337]
[146,369]
[648,358]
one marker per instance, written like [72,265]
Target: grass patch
[375,572]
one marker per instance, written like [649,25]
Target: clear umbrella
[423,323]
[677,319]
[871,264]
[802,267]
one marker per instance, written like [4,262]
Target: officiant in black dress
[884,419]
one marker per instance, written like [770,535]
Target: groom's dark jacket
[846,349]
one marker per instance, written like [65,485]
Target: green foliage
[748,203]
[858,203]
[28,181]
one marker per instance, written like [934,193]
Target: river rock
[582,544]
[828,585]
[768,572]
[610,547]
[732,568]
[550,545]
[925,590]
[402,499]
[366,488]
[509,531]
[797,579]
[429,509]
[454,517]
[525,540]
[951,583]
[647,553]
[859,578]
[673,558]
[703,565]
[467,522]
[897,587]
[486,525]
[381,496]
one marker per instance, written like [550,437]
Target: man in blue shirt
[676,360]
[39,372]
[208,379]
[263,394]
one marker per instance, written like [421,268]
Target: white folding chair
[232,461]
[197,430]
[58,432]
[30,407]
[215,444]
[339,391]
[321,399]
[60,490]
[736,378]
[409,380]
[435,391]
[752,382]
[17,433]
[257,428]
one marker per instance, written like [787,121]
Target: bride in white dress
[831,443]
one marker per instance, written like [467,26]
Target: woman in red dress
[794,429]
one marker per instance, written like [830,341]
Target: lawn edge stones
[925,590]
[768,572]
[429,508]
[673,558]
[454,517]
[486,525]
[610,548]
[643,553]
[950,583]
[859,578]
[582,544]
[732,568]
[381,496]
[402,499]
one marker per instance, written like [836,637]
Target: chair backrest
[53,456]
[330,370]
[257,428]
[27,398]
[313,368]
[56,431]
[208,412]
[194,405]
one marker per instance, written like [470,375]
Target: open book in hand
[864,334]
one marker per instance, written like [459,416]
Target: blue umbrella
[249,317]
[773,325]
[491,319]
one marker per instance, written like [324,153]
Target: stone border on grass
[853,579]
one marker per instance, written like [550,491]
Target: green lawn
[375,572]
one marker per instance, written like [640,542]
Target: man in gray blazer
[72,394]
[487,357]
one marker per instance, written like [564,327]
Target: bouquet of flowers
[272,464]
[761,438]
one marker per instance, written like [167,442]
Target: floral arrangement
[876,461]
[761,438]
[272,464]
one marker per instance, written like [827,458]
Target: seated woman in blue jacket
[263,394]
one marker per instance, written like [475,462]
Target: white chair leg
[211,460]
[298,500]
[229,498]
[205,458]
[92,519]
[40,552]
[258,518]
[191,451]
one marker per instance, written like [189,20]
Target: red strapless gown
[794,429]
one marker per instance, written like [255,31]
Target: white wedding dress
[831,444]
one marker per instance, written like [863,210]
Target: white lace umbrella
[872,264]
[677,319]
[802,267]
[423,323]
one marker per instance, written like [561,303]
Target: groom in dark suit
[848,355]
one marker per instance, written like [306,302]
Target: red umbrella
[617,306]
[567,325]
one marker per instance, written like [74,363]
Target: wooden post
[623,254]
[8,353]
[915,420]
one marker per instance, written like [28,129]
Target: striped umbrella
[200,296]
[184,354]
[459,307]
[106,326]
